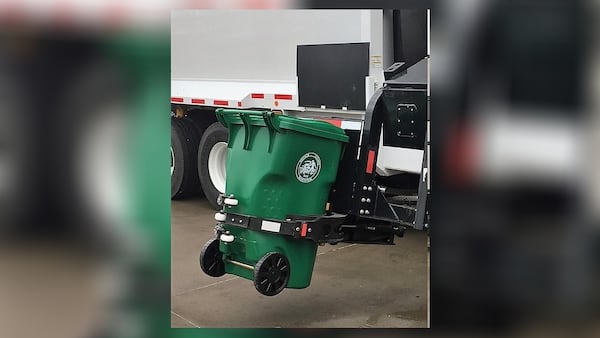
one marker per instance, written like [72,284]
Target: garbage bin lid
[313,127]
[302,125]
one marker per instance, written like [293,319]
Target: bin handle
[219,112]
[269,118]
[247,127]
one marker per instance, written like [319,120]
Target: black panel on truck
[332,75]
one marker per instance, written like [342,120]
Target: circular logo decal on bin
[308,167]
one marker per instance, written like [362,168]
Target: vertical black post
[365,190]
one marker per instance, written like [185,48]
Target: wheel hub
[271,274]
[217,163]
[211,259]
[172,161]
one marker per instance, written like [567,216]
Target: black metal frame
[372,217]
[321,229]
[360,210]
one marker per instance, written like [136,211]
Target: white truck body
[247,59]
[229,55]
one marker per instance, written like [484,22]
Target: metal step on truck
[364,71]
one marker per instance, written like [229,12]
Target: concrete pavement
[353,285]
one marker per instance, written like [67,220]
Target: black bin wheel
[271,274]
[211,259]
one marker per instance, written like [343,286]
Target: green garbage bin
[278,167]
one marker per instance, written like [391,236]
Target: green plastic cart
[279,170]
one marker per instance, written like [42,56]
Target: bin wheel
[211,259]
[271,274]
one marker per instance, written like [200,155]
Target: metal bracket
[321,229]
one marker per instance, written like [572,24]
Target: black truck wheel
[212,159]
[271,274]
[184,146]
[211,259]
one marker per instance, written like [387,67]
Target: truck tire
[184,147]
[202,118]
[212,156]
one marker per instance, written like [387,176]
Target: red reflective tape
[462,155]
[257,96]
[370,162]
[63,14]
[337,123]
[116,14]
[176,99]
[221,102]
[283,97]
[239,103]
[303,231]
[198,101]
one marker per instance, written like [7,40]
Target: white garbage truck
[365,71]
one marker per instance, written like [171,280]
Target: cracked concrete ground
[353,285]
